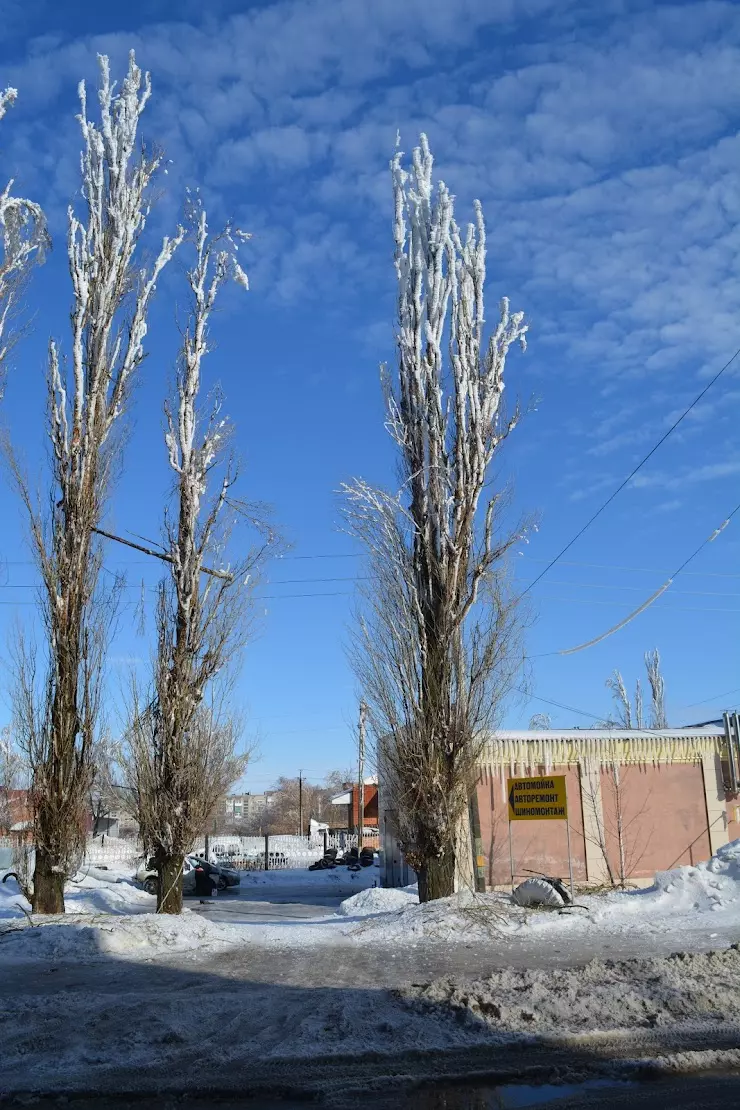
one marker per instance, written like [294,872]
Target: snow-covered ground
[114,995]
[107,914]
[112,914]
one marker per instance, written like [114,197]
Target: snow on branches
[107,349]
[112,292]
[201,620]
[433,671]
[24,241]
[445,414]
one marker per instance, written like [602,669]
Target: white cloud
[603,147]
[688,475]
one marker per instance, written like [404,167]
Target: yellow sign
[540,799]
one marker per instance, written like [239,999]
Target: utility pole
[361,775]
[300,803]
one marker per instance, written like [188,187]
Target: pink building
[639,801]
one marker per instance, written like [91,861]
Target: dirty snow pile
[397,917]
[601,996]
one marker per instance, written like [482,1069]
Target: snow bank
[599,997]
[94,891]
[684,894]
[86,938]
[106,915]
[683,900]
[379,900]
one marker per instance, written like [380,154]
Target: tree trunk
[169,892]
[437,878]
[48,886]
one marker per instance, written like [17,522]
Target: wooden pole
[361,776]
[570,857]
[300,803]
[511,859]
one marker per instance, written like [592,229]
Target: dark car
[222,876]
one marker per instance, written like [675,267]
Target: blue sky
[602,138]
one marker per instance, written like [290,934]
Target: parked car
[223,877]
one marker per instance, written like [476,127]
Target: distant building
[246,807]
[346,806]
[15,810]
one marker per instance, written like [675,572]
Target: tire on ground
[537,892]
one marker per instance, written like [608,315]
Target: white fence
[246,853]
[278,853]
[105,850]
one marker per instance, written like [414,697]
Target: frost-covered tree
[657,689]
[437,642]
[629,714]
[24,241]
[58,716]
[202,614]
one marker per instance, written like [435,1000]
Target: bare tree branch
[25,241]
[657,689]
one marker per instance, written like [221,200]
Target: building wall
[370,807]
[664,822]
[732,805]
[663,817]
[670,795]
[246,806]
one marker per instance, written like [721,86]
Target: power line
[639,570]
[349,555]
[543,597]
[625,604]
[312,581]
[658,592]
[559,704]
[355,578]
[631,475]
[714,697]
